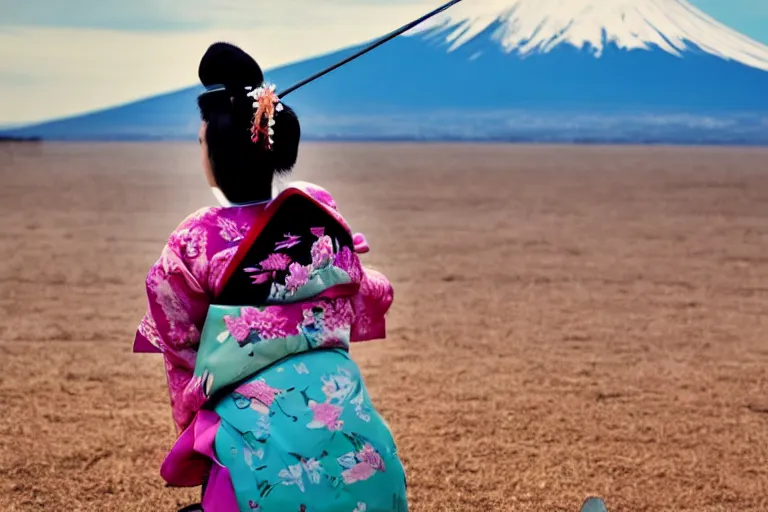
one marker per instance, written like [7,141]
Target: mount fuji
[635,71]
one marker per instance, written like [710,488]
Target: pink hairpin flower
[265,103]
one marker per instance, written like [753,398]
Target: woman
[253,306]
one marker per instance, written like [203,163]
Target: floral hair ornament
[265,103]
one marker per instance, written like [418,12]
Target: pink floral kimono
[254,324]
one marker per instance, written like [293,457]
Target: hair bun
[226,64]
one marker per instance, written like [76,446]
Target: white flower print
[313,470]
[292,476]
[251,455]
[338,387]
[229,230]
[360,410]
[347,460]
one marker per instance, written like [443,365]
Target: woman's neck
[276,188]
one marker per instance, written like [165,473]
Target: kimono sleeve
[370,306]
[177,306]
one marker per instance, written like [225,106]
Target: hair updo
[242,169]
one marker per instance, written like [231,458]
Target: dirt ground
[567,322]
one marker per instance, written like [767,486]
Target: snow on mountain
[523,70]
[531,26]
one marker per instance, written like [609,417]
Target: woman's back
[254,309]
[281,294]
[197,269]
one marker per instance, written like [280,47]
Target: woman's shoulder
[313,190]
[200,218]
[195,226]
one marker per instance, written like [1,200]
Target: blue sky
[59,57]
[749,17]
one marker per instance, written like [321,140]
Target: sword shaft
[370,47]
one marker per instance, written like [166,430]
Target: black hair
[242,169]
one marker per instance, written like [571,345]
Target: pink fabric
[219,493]
[191,460]
[180,288]
[361,244]
[376,294]
[370,305]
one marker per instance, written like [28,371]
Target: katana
[373,45]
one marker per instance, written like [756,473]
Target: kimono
[253,309]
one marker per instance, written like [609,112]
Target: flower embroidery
[349,263]
[189,272]
[361,411]
[276,261]
[311,316]
[313,469]
[297,277]
[338,387]
[238,328]
[326,415]
[267,324]
[229,231]
[371,457]
[261,394]
[191,242]
[338,315]
[290,241]
[292,476]
[258,278]
[328,387]
[358,473]
[322,252]
[361,465]
[249,454]
[327,324]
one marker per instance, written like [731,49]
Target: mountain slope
[549,70]
[531,26]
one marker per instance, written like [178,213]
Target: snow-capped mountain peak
[537,26]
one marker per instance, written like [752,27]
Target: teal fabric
[223,361]
[302,435]
[319,280]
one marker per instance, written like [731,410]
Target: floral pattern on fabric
[181,284]
[292,280]
[319,454]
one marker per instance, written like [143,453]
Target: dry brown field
[568,321]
